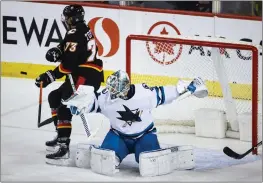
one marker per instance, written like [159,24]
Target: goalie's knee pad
[104,161]
[164,161]
[83,155]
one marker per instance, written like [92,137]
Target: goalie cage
[230,70]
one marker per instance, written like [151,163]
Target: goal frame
[214,44]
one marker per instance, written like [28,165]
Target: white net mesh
[227,72]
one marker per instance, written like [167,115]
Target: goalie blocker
[151,163]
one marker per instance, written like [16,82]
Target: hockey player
[128,107]
[77,56]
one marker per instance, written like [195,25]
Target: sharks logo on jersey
[130,116]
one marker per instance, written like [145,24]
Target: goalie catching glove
[197,88]
[183,89]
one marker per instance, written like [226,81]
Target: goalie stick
[82,116]
[229,152]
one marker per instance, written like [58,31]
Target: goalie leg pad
[103,161]
[182,157]
[164,161]
[83,155]
[154,163]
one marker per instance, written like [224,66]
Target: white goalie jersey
[132,117]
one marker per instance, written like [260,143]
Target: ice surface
[23,150]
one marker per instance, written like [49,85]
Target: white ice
[23,149]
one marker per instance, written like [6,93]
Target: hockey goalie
[128,108]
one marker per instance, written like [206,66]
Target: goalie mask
[72,14]
[118,85]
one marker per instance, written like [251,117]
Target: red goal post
[206,43]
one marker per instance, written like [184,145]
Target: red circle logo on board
[164,53]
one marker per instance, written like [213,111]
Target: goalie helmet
[72,14]
[118,85]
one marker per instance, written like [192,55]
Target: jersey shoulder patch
[72,31]
[72,36]
[147,87]
[104,91]
[102,97]
[89,35]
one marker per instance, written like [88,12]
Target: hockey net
[231,71]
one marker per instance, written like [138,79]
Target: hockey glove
[74,110]
[47,78]
[53,54]
[197,88]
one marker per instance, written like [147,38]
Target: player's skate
[52,144]
[62,155]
